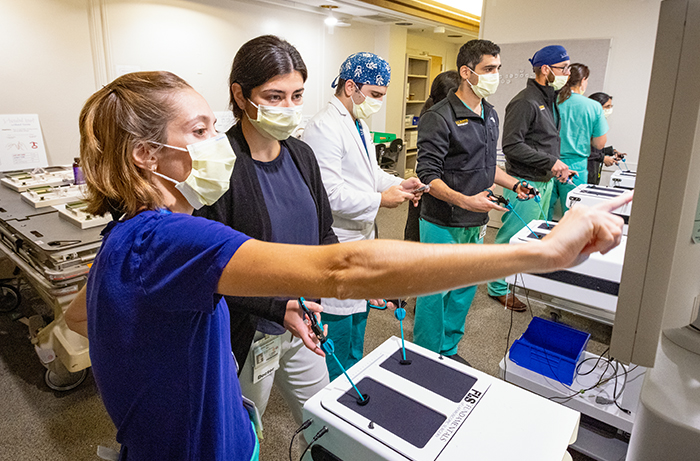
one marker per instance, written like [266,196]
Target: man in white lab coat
[355,184]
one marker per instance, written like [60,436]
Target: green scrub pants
[528,210]
[348,335]
[560,190]
[439,321]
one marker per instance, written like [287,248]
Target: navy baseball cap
[549,55]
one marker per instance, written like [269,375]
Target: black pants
[411,231]
[594,169]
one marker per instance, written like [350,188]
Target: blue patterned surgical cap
[365,68]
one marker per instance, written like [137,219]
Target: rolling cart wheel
[556,316]
[65,382]
[9,298]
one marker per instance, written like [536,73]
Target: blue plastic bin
[550,349]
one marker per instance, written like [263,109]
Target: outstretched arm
[379,268]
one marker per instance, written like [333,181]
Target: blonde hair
[133,109]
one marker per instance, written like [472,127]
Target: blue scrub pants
[528,210]
[439,321]
[348,335]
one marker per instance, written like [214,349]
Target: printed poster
[21,144]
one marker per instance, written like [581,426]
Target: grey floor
[39,424]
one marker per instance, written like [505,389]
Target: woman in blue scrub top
[159,331]
[582,125]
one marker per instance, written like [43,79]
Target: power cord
[622,388]
[510,326]
[318,435]
[303,427]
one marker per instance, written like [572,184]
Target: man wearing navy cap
[457,156]
[531,147]
[355,183]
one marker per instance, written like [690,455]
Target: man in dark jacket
[457,157]
[531,147]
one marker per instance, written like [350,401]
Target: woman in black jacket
[275,195]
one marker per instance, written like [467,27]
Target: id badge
[266,356]
[482,233]
[254,416]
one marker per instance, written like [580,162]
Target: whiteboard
[516,69]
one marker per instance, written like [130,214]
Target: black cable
[318,435]
[527,293]
[510,328]
[600,357]
[303,427]
[622,388]
[601,380]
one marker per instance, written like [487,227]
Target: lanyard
[362,136]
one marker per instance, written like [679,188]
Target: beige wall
[198,41]
[390,43]
[630,23]
[46,68]
[61,51]
[416,44]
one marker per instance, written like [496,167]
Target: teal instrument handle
[510,207]
[329,348]
[400,313]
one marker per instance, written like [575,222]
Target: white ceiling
[356,11]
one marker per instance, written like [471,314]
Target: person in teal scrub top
[583,125]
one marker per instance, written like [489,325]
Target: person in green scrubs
[583,125]
[531,147]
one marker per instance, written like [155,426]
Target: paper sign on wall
[224,120]
[696,225]
[21,144]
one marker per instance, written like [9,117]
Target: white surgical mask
[212,164]
[366,108]
[559,82]
[276,122]
[607,112]
[487,85]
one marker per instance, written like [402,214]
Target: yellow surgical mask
[276,122]
[559,82]
[486,86]
[212,165]
[366,108]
